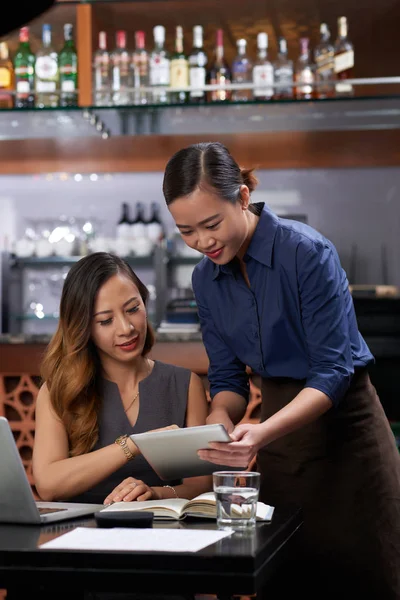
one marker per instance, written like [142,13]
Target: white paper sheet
[131,539]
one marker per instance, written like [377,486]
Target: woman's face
[211,225]
[119,323]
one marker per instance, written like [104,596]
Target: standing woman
[272,296]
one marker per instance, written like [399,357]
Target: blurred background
[96,96]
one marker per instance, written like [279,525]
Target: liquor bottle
[197,67]
[124,223]
[263,71]
[159,67]
[24,69]
[46,72]
[68,67]
[102,73]
[324,64]
[344,59]
[140,68]
[242,69]
[121,71]
[220,73]
[283,72]
[304,73]
[179,69]
[138,228]
[154,226]
[6,77]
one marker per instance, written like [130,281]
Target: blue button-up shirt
[297,319]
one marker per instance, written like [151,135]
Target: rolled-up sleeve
[226,373]
[324,319]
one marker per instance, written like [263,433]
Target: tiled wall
[358,209]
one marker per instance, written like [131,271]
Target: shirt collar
[262,243]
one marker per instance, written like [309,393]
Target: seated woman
[100,387]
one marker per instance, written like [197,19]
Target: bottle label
[138,230]
[45,86]
[179,73]
[46,67]
[263,77]
[68,85]
[24,71]
[123,231]
[344,61]
[305,79]
[116,79]
[23,87]
[5,77]
[159,71]
[283,77]
[343,87]
[154,231]
[68,70]
[140,64]
[325,63]
[197,78]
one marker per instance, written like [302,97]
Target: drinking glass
[236,494]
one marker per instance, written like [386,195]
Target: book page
[172,507]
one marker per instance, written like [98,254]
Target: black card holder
[124,519]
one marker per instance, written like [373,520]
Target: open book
[203,506]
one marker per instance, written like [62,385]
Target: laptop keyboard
[47,511]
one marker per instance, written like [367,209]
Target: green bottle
[24,69]
[179,69]
[68,66]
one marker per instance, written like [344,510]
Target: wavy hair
[71,366]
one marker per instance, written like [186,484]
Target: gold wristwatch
[121,441]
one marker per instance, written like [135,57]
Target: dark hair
[71,366]
[207,165]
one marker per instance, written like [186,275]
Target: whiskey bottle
[304,75]
[242,69]
[324,65]
[263,71]
[179,69]
[68,67]
[283,72]
[6,77]
[102,73]
[220,73]
[24,69]
[46,72]
[344,60]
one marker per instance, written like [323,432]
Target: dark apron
[344,471]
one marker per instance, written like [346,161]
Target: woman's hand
[131,489]
[247,439]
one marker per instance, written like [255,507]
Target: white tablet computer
[173,453]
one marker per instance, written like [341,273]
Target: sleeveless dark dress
[163,401]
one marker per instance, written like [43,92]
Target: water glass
[236,494]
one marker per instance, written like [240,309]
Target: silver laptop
[17,502]
[172,453]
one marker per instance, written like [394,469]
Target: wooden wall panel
[282,150]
